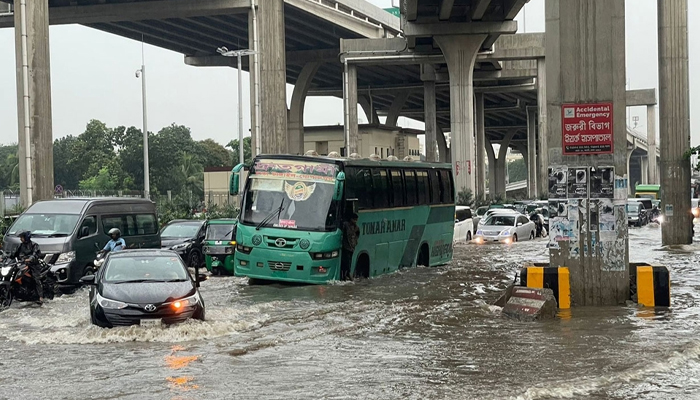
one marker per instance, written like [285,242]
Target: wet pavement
[422,333]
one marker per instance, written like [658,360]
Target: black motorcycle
[17,283]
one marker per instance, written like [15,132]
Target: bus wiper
[269,217]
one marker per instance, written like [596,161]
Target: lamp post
[238,54]
[146,179]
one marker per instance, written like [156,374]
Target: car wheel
[469,236]
[199,314]
[195,259]
[89,270]
[515,238]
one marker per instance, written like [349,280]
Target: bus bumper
[286,266]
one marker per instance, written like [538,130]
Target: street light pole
[146,176]
[238,54]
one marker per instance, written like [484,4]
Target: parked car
[636,214]
[144,287]
[505,228]
[69,230]
[186,238]
[464,224]
[477,215]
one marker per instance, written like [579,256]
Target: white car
[464,224]
[505,228]
[492,211]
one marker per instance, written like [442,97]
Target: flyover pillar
[542,154]
[586,143]
[651,145]
[34,100]
[295,123]
[460,53]
[273,78]
[442,146]
[492,169]
[430,121]
[480,167]
[531,152]
[674,113]
[502,164]
[350,107]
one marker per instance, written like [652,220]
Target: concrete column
[442,146]
[460,53]
[502,164]
[396,107]
[630,189]
[492,169]
[674,116]
[273,77]
[480,160]
[368,107]
[644,166]
[651,144]
[531,152]
[350,106]
[295,124]
[542,143]
[585,53]
[430,121]
[34,101]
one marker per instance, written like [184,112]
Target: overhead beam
[505,74]
[466,28]
[139,11]
[446,9]
[299,57]
[347,21]
[479,8]
[641,97]
[411,88]
[528,53]
[410,9]
[511,8]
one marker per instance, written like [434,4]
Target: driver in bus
[351,233]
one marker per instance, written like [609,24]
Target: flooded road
[422,333]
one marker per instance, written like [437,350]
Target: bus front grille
[279,265]
[281,242]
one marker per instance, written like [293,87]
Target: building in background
[216,186]
[381,140]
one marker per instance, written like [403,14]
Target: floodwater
[422,333]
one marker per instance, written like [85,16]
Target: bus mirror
[235,179]
[339,185]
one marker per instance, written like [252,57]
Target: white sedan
[464,224]
[506,228]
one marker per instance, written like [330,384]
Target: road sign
[394,11]
[58,189]
[587,128]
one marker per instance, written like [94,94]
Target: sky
[93,77]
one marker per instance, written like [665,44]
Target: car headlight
[110,304]
[479,232]
[65,258]
[505,232]
[181,246]
[660,219]
[186,302]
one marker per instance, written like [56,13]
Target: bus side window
[447,187]
[365,193]
[399,194]
[381,188]
[423,187]
[411,187]
[435,190]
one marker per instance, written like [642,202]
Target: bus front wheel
[362,266]
[423,257]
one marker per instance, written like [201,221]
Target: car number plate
[151,322]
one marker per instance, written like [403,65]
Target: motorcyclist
[29,253]
[116,243]
[539,222]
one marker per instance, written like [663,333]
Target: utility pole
[146,175]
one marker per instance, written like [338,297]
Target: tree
[103,180]
[212,154]
[165,153]
[191,175]
[517,171]
[64,172]
[247,151]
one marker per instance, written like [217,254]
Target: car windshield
[45,224]
[145,268]
[220,232]
[632,208]
[180,230]
[500,220]
[290,204]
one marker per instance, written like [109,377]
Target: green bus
[647,191]
[292,208]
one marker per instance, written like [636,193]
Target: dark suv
[185,237]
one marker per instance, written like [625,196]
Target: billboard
[587,128]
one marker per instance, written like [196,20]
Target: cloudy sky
[92,77]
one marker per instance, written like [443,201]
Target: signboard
[578,183]
[587,128]
[296,170]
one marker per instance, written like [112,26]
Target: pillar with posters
[587,143]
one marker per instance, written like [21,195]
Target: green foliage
[247,151]
[465,197]
[102,181]
[517,170]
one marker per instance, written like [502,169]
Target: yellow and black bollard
[555,278]
[652,285]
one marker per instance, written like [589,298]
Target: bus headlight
[243,249]
[325,255]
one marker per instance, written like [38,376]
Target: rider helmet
[115,233]
[26,235]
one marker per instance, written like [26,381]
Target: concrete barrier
[554,278]
[528,304]
[650,286]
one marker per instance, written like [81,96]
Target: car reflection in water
[144,287]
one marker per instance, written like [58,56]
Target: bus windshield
[290,204]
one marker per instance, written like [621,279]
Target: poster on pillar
[578,183]
[602,182]
[587,128]
[557,182]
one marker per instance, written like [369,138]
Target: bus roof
[647,188]
[363,162]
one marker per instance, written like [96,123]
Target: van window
[91,223]
[463,214]
[131,225]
